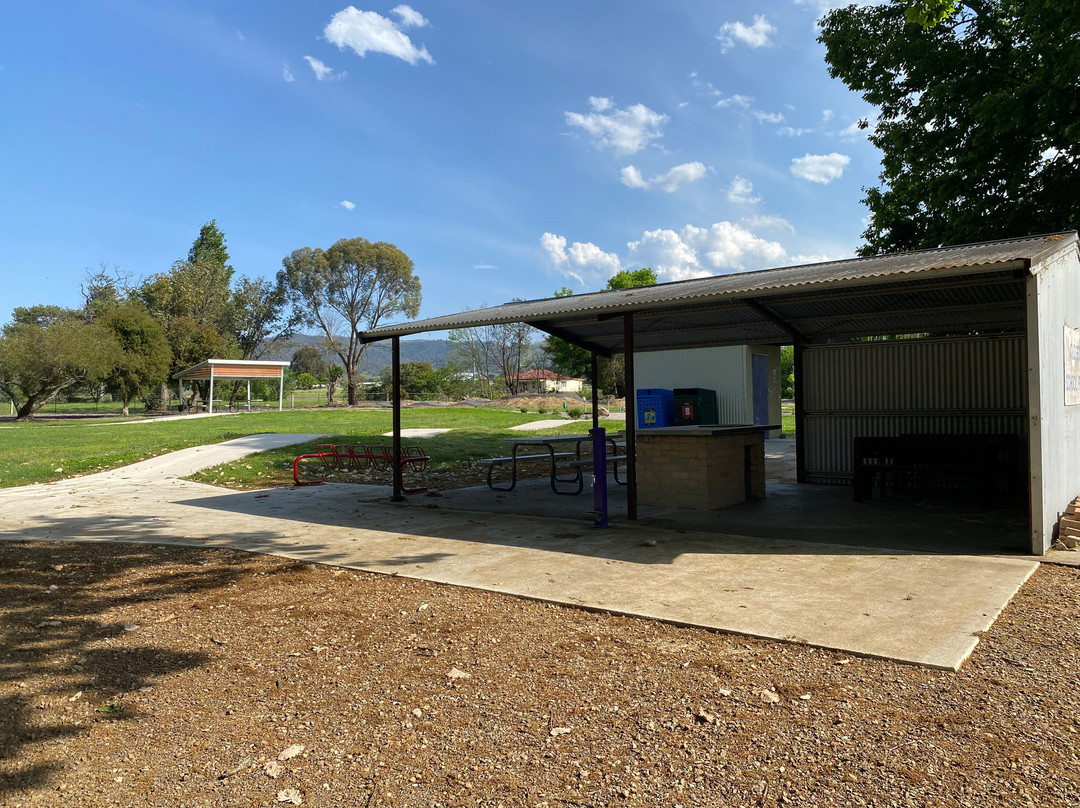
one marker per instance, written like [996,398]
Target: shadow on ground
[61,667]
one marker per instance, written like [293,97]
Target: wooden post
[631,416]
[399,483]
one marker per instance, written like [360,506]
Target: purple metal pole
[599,476]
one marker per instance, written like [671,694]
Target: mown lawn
[40,452]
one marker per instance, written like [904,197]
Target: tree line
[130,336]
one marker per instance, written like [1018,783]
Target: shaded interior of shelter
[916,521]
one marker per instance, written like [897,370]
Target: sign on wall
[1072,366]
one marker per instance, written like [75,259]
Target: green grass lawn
[39,452]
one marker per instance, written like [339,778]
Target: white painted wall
[1054,427]
[727,370]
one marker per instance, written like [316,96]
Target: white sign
[1072,366]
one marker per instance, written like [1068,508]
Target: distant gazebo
[243,369]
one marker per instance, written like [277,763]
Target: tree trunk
[352,390]
[26,411]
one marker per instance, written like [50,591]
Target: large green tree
[195,304]
[45,350]
[143,357]
[978,116]
[351,287]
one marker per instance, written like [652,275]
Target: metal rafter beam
[797,334]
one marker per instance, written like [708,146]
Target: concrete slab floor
[922,608]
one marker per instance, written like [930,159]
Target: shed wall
[725,370]
[1054,300]
[965,386]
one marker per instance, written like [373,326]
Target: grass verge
[46,451]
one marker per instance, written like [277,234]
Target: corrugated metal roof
[925,290]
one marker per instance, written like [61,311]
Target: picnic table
[551,446]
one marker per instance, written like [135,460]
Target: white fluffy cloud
[322,71]
[624,131]
[741,190]
[855,132]
[768,117]
[823,168]
[691,252]
[287,74]
[345,203]
[753,36]
[583,261]
[734,101]
[695,252]
[774,224]
[668,181]
[364,31]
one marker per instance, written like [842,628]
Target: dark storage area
[695,406]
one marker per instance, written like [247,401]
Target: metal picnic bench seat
[360,457]
[558,460]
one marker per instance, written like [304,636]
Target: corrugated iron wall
[968,385]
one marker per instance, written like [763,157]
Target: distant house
[547,381]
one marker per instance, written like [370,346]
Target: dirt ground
[153,676]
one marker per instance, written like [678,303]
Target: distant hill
[436,352]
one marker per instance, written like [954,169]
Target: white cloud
[769,224]
[822,7]
[768,117]
[691,252]
[703,87]
[409,17]
[734,101]
[484,266]
[287,74]
[345,203]
[823,168]
[803,259]
[624,131]
[790,131]
[741,190]
[753,36]
[669,181]
[583,261]
[854,131]
[324,72]
[699,251]
[364,31]
[826,115]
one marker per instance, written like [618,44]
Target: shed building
[977,340]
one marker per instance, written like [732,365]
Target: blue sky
[510,149]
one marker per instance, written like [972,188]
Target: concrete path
[418,433]
[920,608]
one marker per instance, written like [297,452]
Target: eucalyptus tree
[355,283]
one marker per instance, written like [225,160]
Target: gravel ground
[152,676]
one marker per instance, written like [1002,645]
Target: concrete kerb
[920,608]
